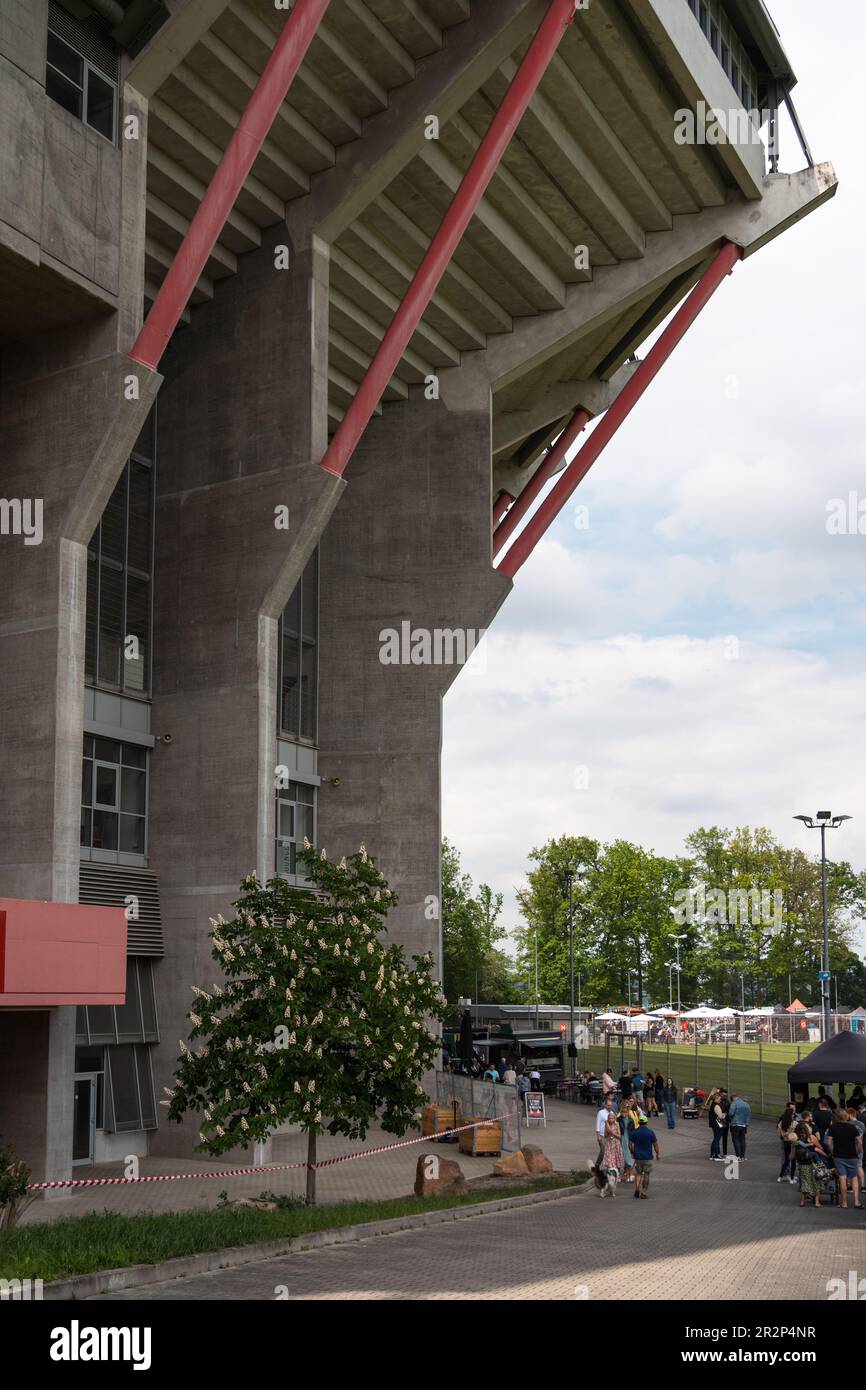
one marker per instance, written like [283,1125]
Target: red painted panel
[61,953]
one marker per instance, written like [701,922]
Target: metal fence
[761,1078]
[483,1100]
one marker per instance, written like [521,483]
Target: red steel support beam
[240,154]
[722,265]
[501,505]
[542,475]
[475,181]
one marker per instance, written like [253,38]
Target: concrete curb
[81,1286]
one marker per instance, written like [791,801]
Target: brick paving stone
[700,1235]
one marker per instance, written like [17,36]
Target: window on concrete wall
[297,709]
[131,1103]
[81,70]
[114,796]
[295,818]
[725,43]
[133,1021]
[119,571]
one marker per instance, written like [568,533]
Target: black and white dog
[605,1179]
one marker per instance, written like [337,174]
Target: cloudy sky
[695,656]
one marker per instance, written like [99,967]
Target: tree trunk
[311,1168]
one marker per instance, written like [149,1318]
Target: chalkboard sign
[535,1108]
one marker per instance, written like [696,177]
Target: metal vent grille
[106,885]
[88,37]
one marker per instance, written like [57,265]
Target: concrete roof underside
[594,164]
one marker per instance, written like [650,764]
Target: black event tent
[840,1058]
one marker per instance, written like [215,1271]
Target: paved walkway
[700,1235]
[376,1178]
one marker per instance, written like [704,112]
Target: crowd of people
[822,1149]
[627,1144]
[513,1071]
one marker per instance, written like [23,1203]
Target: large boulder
[511,1165]
[439,1177]
[536,1159]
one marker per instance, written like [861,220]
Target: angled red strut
[240,154]
[501,505]
[543,473]
[475,181]
[722,265]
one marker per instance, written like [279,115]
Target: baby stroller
[828,1183]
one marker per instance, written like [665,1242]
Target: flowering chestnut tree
[317,1021]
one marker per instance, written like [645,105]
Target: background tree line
[625,919]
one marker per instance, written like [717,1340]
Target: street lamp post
[566,878]
[821,821]
[677,940]
[536,979]
[573,1059]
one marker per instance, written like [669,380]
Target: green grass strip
[110,1240]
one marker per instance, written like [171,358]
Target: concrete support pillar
[409,542]
[71,408]
[243,418]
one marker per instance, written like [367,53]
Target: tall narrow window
[119,571]
[298,658]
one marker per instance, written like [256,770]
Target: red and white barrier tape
[270,1168]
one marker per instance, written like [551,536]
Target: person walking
[628,1114]
[787,1137]
[612,1155]
[845,1147]
[669,1101]
[644,1145]
[601,1119]
[502,1067]
[649,1091]
[607,1082]
[660,1084]
[739,1119]
[510,1076]
[624,1084]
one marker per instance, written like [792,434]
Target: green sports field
[757,1072]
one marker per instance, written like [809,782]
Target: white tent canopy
[702,1013]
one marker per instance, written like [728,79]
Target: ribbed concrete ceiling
[593,164]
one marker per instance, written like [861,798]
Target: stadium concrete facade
[193,606]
